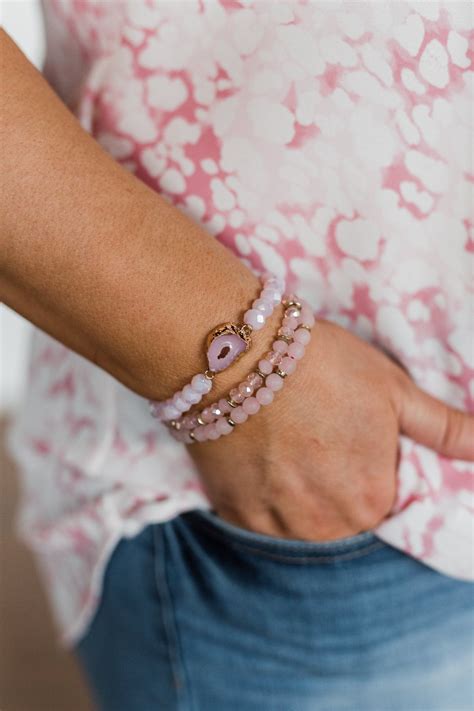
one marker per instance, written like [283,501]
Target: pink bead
[189,394]
[274,382]
[245,389]
[201,384]
[255,380]
[170,412]
[292,312]
[285,331]
[207,416]
[302,336]
[307,317]
[186,422]
[224,406]
[200,433]
[211,432]
[271,295]
[290,322]
[264,306]
[156,409]
[280,347]
[180,403]
[236,396]
[273,357]
[254,318]
[265,366]
[223,427]
[288,365]
[296,350]
[216,410]
[264,396]
[238,415]
[251,405]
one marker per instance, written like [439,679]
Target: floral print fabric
[326,141]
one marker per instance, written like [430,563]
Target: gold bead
[231,421]
[292,302]
[281,373]
[191,434]
[303,325]
[200,420]
[287,339]
[259,372]
[231,402]
[209,374]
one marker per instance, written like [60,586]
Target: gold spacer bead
[291,302]
[247,329]
[303,325]
[191,435]
[287,339]
[209,374]
[174,424]
[281,373]
[231,402]
[259,372]
[200,420]
[231,421]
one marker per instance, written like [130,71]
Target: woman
[311,559]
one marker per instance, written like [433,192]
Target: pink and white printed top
[325,141]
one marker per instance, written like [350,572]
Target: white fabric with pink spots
[327,142]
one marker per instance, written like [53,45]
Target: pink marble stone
[290,322]
[296,351]
[180,403]
[265,366]
[264,396]
[264,306]
[223,427]
[272,295]
[201,384]
[200,433]
[251,405]
[170,412]
[302,336]
[224,406]
[238,415]
[211,432]
[189,394]
[254,318]
[280,347]
[307,316]
[285,331]
[288,365]
[207,415]
[274,382]
[224,350]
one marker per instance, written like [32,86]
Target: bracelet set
[225,344]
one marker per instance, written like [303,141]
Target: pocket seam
[299,557]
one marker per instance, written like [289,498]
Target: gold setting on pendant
[237,329]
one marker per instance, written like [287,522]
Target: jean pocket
[284,548]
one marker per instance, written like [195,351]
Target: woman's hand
[321,461]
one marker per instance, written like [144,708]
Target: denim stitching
[297,558]
[169,621]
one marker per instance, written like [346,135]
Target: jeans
[200,615]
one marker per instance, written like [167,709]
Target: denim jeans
[200,615]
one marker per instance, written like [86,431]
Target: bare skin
[108,267]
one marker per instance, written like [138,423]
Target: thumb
[438,426]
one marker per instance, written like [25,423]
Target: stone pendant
[225,344]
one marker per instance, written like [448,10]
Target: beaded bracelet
[221,417]
[225,344]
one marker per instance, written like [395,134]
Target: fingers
[434,424]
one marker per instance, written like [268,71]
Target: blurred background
[35,673]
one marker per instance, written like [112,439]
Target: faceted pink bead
[264,396]
[189,394]
[254,318]
[156,409]
[251,405]
[212,432]
[180,403]
[186,422]
[280,347]
[201,384]
[238,415]
[207,416]
[236,396]
[273,357]
[296,350]
[255,380]
[170,412]
[264,306]
[265,366]
[288,365]
[285,331]
[290,322]
[200,433]
[223,427]
[273,295]
[302,336]
[216,410]
[307,316]
[274,382]
[246,389]
[224,406]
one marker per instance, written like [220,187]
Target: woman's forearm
[96,258]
